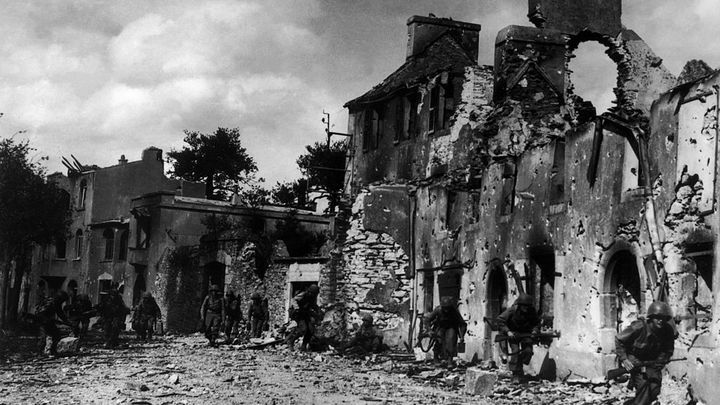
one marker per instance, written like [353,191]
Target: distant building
[95,254]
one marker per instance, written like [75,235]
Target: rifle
[536,337]
[618,372]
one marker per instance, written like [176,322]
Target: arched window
[82,193]
[122,253]
[109,236]
[78,243]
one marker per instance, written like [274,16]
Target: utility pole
[328,132]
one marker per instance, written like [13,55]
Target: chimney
[152,154]
[423,31]
[122,160]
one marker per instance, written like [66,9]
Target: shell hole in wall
[593,75]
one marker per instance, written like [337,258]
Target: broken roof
[444,54]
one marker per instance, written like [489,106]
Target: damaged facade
[483,181]
[134,227]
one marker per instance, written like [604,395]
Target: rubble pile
[184,370]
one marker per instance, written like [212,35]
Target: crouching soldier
[644,348]
[366,340]
[144,316]
[256,315]
[519,322]
[448,326]
[112,311]
[46,313]
[305,311]
[212,313]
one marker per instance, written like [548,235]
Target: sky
[98,79]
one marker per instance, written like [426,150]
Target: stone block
[68,345]
[479,382]
[542,365]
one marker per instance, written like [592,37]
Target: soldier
[644,348]
[79,311]
[45,313]
[449,326]
[212,313]
[305,311]
[366,340]
[233,315]
[520,318]
[256,315]
[145,314]
[266,312]
[112,311]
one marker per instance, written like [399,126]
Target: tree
[34,211]
[324,167]
[290,194]
[217,159]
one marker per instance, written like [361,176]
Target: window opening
[557,173]
[701,311]
[109,236]
[60,248]
[428,290]
[411,106]
[78,243]
[123,247]
[508,189]
[82,194]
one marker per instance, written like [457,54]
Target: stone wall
[374,278]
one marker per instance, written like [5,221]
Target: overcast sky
[98,79]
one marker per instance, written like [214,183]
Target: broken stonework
[68,345]
[479,382]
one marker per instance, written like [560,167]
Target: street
[183,370]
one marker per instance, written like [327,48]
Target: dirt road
[183,370]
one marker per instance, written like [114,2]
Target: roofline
[445,22]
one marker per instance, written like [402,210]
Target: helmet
[367,318]
[659,309]
[447,301]
[62,295]
[313,289]
[147,294]
[214,287]
[524,299]
[255,296]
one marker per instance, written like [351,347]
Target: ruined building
[482,181]
[133,227]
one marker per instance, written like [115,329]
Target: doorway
[623,290]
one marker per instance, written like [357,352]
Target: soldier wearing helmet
[305,311]
[518,322]
[449,327]
[145,315]
[647,340]
[366,339]
[256,315]
[212,313]
[233,315]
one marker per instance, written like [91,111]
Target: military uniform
[367,339]
[305,312]
[112,311]
[233,315]
[79,314]
[448,325]
[144,316]
[651,340]
[521,317]
[45,313]
[256,315]
[212,313]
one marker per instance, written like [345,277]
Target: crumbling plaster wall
[684,128]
